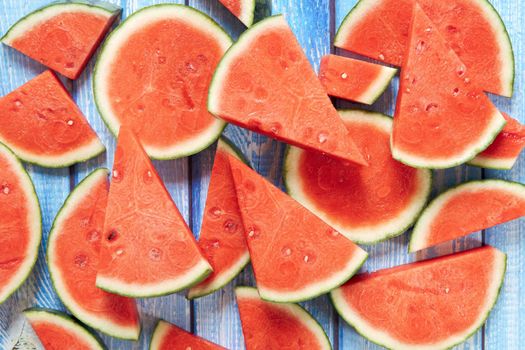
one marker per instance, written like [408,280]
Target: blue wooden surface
[215,317]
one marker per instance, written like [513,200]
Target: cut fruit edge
[493,163]
[368,331]
[378,86]
[247,15]
[420,233]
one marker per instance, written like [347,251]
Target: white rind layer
[378,86]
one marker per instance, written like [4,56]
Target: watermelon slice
[472,28]
[442,118]
[354,80]
[147,248]
[57,330]
[244,10]
[72,255]
[64,34]
[467,208]
[506,148]
[20,227]
[432,304]
[157,85]
[295,256]
[167,336]
[41,123]
[222,234]
[366,204]
[267,325]
[265,83]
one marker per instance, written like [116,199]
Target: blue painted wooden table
[215,317]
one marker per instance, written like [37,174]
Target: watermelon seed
[428,30]
[381,56]
[119,252]
[286,251]
[5,189]
[93,236]
[216,212]
[81,261]
[344,75]
[447,290]
[155,254]
[460,71]
[431,106]
[322,137]
[112,236]
[117,175]
[455,92]
[230,226]
[148,177]
[253,232]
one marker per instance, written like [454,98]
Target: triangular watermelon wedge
[295,255]
[265,83]
[244,10]
[442,117]
[147,248]
[167,336]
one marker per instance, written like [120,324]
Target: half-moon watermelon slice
[73,252]
[295,255]
[64,34]
[354,80]
[153,74]
[472,28]
[366,204]
[467,208]
[267,325]
[266,84]
[442,117]
[21,225]
[431,304]
[57,330]
[167,336]
[42,124]
[147,249]
[506,148]
[244,10]
[222,233]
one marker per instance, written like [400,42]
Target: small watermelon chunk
[244,10]
[506,148]
[64,34]
[354,80]
[267,325]
[21,225]
[431,304]
[147,248]
[58,331]
[467,208]
[295,255]
[222,233]
[366,204]
[167,336]
[472,28]
[42,124]
[73,250]
[442,118]
[266,84]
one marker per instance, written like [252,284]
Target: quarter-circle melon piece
[56,330]
[427,305]
[21,224]
[244,10]
[153,75]
[63,35]
[267,325]
[73,250]
[366,204]
[167,336]
[467,208]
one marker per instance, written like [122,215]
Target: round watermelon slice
[153,74]
[267,325]
[21,225]
[167,336]
[366,204]
[432,304]
[244,10]
[467,208]
[57,330]
[72,255]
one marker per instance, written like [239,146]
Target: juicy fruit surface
[170,337]
[265,83]
[146,243]
[43,104]
[435,303]
[442,117]
[73,257]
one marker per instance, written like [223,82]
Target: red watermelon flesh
[432,304]
[167,336]
[294,254]
[147,248]
[442,117]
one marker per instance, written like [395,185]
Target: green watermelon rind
[378,86]
[351,318]
[36,220]
[295,310]
[497,163]
[157,336]
[67,322]
[196,17]
[247,16]
[292,185]
[74,199]
[419,234]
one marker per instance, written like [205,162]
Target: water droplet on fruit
[119,251]
[188,348]
[428,30]
[230,226]
[147,177]
[431,107]
[467,80]
[286,251]
[215,212]
[455,92]
[190,67]
[161,59]
[447,290]
[112,236]
[140,108]
[155,254]
[322,137]
[70,122]
[5,189]
[414,109]
[118,100]
[333,233]
[215,244]
[381,56]
[407,90]
[18,103]
[93,236]
[309,258]
[420,46]
[460,71]
[253,232]
[117,175]
[81,261]
[344,76]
